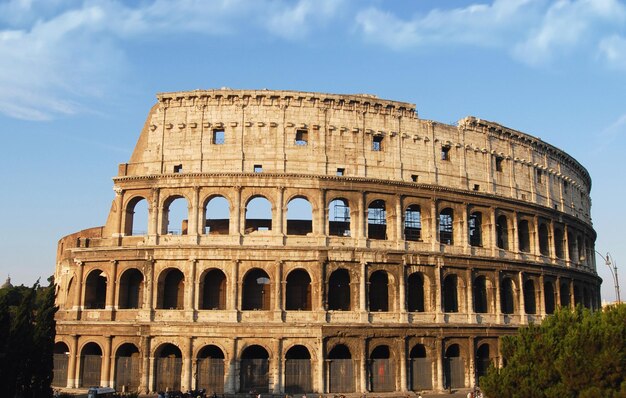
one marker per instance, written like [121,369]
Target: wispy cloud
[613,51]
[531,31]
[55,54]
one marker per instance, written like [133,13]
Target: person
[470,394]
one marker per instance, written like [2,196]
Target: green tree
[43,342]
[571,354]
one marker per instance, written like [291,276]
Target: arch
[136,217]
[254,370]
[559,243]
[175,217]
[95,290]
[450,293]
[446,226]
[544,240]
[571,246]
[586,298]
[299,216]
[454,369]
[339,217]
[507,296]
[421,369]
[578,299]
[502,232]
[298,291]
[213,288]
[475,229]
[377,220]
[483,361]
[256,294]
[581,249]
[413,223]
[298,375]
[60,358]
[381,370]
[216,216]
[341,370]
[171,289]
[379,291]
[480,295]
[258,215]
[564,294]
[90,365]
[529,297]
[210,369]
[523,236]
[168,364]
[548,293]
[339,290]
[69,297]
[127,368]
[415,294]
[131,289]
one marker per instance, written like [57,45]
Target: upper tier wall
[236,131]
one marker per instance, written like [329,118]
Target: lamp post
[608,260]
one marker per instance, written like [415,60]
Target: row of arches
[252,369]
[507,230]
[486,292]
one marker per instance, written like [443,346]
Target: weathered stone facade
[416,246]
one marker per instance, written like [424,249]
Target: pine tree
[43,343]
[20,350]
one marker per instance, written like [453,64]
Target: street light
[608,260]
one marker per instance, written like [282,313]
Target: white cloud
[613,51]
[56,55]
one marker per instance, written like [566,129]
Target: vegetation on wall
[575,353]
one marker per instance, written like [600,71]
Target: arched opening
[586,298]
[544,240]
[421,369]
[565,295]
[258,215]
[558,243]
[450,294]
[502,233]
[381,370]
[482,361]
[298,294]
[507,297]
[377,220]
[217,216]
[171,290]
[379,291]
[548,292]
[299,217]
[480,295]
[341,370]
[339,290]
[571,247]
[95,290]
[256,291]
[254,373]
[339,218]
[69,296]
[446,231]
[90,365]
[131,289]
[578,298]
[413,223]
[581,250]
[61,355]
[415,295]
[298,377]
[175,216]
[127,368]
[523,234]
[213,288]
[136,220]
[454,369]
[475,227]
[210,369]
[168,365]
[529,297]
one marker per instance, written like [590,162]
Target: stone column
[236,211]
[522,306]
[471,361]
[434,224]
[78,288]
[276,384]
[279,215]
[515,232]
[111,287]
[363,367]
[402,353]
[190,284]
[105,372]
[541,307]
[572,298]
[361,229]
[278,296]
[144,386]
[231,384]
[401,308]
[362,292]
[566,254]
[470,295]
[320,228]
[439,349]
[493,235]
[463,229]
[72,374]
[194,214]
[154,210]
[557,290]
[498,297]
[187,355]
[118,229]
[438,293]
[535,240]
[399,216]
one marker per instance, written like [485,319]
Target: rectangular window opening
[341,171]
[218,137]
[476,187]
[377,143]
[178,168]
[445,152]
[414,177]
[302,137]
[499,161]
[539,176]
[258,168]
[565,186]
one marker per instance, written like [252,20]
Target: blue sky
[77,79]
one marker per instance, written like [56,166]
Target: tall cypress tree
[43,343]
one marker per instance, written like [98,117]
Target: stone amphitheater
[323,244]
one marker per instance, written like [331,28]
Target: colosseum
[291,242]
